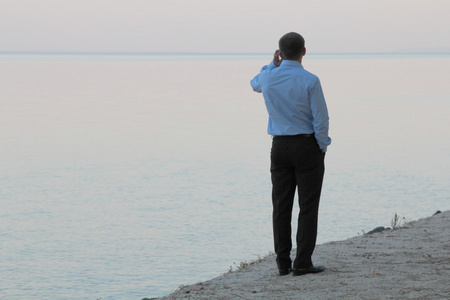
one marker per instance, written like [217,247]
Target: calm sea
[123,177]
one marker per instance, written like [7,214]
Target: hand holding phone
[277,58]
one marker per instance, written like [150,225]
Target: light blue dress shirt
[294,100]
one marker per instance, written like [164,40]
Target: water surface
[124,177]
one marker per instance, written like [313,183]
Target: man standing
[298,122]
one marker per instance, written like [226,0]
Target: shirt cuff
[271,65]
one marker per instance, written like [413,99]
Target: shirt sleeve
[320,116]
[256,82]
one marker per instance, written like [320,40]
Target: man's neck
[297,60]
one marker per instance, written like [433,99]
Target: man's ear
[304,52]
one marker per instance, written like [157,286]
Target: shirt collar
[293,63]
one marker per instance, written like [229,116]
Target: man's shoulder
[310,75]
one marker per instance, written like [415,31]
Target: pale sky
[254,26]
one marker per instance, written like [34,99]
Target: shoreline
[410,262]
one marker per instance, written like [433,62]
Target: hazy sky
[223,25]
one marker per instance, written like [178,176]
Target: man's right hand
[277,58]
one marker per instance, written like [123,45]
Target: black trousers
[297,163]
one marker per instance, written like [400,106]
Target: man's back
[294,100]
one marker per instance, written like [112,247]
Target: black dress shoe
[284,272]
[310,270]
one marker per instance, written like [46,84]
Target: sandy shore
[412,262]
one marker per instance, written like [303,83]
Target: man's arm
[276,62]
[320,116]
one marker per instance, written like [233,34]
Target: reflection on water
[126,178]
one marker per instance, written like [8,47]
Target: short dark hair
[291,45]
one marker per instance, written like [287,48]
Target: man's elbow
[255,86]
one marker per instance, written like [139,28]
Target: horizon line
[214,53]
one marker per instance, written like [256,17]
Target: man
[298,122]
